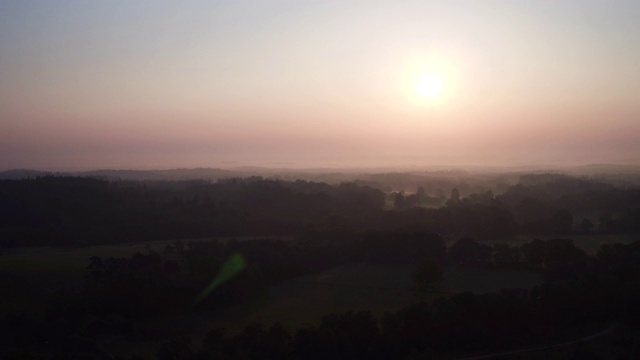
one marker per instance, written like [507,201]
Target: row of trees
[68,211]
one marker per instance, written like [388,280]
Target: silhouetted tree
[399,201]
[425,273]
[506,255]
[469,252]
[455,195]
[586,225]
[561,222]
[421,195]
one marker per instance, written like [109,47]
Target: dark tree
[561,222]
[506,255]
[586,225]
[467,251]
[399,201]
[421,195]
[455,195]
[426,273]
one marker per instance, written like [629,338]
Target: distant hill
[17,174]
[135,175]
[169,174]
[432,179]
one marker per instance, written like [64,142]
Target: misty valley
[311,180]
[204,264]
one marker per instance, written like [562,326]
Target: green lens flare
[231,268]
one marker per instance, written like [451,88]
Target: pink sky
[317,83]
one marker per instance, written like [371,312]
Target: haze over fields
[122,84]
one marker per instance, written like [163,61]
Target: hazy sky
[146,84]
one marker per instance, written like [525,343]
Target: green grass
[378,288]
[27,275]
[482,280]
[305,300]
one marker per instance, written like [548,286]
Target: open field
[26,274]
[482,280]
[65,267]
[374,287]
[303,301]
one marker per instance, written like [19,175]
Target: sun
[429,86]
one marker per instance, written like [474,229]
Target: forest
[201,255]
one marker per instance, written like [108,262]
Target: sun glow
[429,86]
[428,82]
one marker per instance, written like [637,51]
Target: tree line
[74,211]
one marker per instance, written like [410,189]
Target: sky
[165,84]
